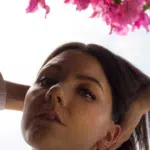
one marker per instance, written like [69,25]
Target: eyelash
[50,81]
[53,81]
[93,97]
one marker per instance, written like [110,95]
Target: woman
[96,97]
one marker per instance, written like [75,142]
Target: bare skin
[15,95]
[15,101]
[87,118]
[132,117]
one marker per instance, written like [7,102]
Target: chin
[34,138]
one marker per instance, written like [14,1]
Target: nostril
[59,99]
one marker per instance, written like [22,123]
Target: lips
[49,115]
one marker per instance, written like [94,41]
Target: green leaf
[146,6]
[117,2]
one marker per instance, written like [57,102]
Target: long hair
[126,82]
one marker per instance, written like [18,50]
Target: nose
[55,96]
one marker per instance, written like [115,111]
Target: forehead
[76,61]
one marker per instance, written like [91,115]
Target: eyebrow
[58,67]
[84,77]
[78,76]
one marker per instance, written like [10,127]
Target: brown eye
[87,93]
[46,81]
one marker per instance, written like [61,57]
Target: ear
[111,137]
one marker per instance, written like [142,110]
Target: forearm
[15,95]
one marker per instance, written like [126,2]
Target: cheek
[89,129]
[29,96]
[31,103]
[92,121]
[98,125]
[90,117]
[33,97]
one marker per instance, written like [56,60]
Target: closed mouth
[49,115]
[46,117]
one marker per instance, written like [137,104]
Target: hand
[132,117]
[15,95]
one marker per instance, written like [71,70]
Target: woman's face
[74,85]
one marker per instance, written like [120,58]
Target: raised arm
[15,94]
[12,95]
[132,117]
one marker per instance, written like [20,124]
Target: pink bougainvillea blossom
[121,15]
[143,20]
[33,6]
[81,4]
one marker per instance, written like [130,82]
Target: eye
[46,81]
[86,93]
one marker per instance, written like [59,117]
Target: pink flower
[147,1]
[33,6]
[143,20]
[81,4]
[120,30]
[121,15]
[117,16]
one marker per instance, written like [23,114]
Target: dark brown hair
[126,82]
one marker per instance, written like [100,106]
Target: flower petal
[33,6]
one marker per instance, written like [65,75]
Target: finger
[125,136]
[114,146]
[119,142]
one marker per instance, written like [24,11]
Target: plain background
[27,39]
